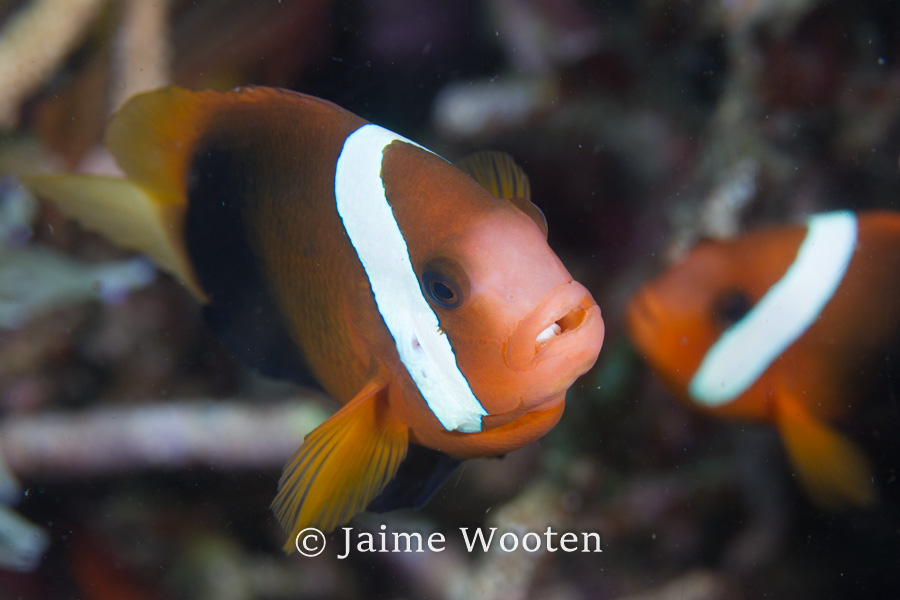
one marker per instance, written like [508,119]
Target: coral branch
[32,45]
[121,439]
[142,56]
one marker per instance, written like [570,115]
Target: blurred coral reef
[147,457]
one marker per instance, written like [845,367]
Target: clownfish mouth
[549,333]
[566,322]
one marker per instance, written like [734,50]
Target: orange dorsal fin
[342,465]
[833,469]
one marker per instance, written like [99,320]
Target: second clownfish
[786,326]
[326,246]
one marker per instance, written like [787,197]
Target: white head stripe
[747,348]
[369,221]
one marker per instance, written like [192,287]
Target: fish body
[784,326]
[327,247]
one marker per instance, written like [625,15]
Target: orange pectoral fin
[833,470]
[342,465]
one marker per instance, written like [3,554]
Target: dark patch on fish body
[421,474]
[223,185]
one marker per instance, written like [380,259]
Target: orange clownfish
[780,326]
[433,310]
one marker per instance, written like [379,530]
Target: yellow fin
[124,212]
[833,470]
[498,173]
[153,136]
[342,465]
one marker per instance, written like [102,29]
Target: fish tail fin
[125,213]
[154,135]
[834,471]
[342,465]
[152,138]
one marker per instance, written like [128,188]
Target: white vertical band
[369,221]
[785,312]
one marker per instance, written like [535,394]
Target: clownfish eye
[441,291]
[444,283]
[731,306]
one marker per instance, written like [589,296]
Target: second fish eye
[732,306]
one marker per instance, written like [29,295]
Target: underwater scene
[452,300]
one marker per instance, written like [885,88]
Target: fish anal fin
[342,465]
[835,472]
[421,474]
[126,214]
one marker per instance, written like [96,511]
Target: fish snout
[644,317]
[639,308]
[566,322]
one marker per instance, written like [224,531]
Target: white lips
[551,332]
